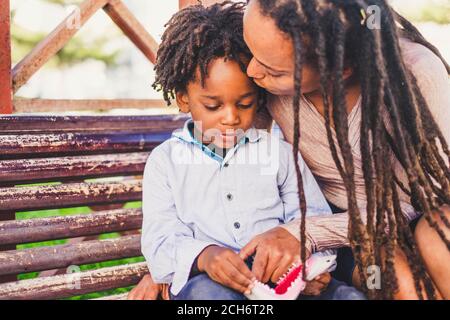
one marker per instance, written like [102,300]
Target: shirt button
[237,225]
[230,196]
[226,165]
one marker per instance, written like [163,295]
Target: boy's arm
[167,243]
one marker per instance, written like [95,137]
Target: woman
[371,105]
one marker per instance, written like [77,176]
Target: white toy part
[292,284]
[317,264]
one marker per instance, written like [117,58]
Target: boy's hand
[318,285]
[226,267]
[149,290]
[276,250]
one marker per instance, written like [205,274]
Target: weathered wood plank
[5,246]
[60,124]
[121,296]
[62,256]
[68,168]
[43,145]
[61,227]
[23,105]
[69,285]
[68,195]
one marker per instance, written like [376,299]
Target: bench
[56,162]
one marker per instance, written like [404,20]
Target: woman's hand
[276,251]
[318,285]
[226,267]
[147,289]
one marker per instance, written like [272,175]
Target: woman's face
[272,66]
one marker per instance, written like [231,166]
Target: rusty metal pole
[5,96]
[5,59]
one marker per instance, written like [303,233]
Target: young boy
[218,182]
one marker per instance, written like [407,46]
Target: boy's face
[225,107]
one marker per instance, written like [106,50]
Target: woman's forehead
[269,45]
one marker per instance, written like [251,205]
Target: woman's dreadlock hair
[338,38]
[194,37]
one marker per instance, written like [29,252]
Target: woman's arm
[322,232]
[433,81]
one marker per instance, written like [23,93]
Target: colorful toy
[292,284]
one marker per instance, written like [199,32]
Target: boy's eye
[245,106]
[212,108]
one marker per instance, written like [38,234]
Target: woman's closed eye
[277,75]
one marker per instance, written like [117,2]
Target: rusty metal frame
[62,34]
[5,59]
[5,96]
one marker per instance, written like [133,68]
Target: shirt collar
[251,136]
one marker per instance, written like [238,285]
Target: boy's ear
[348,72]
[183,101]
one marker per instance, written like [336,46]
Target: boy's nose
[231,116]
[254,70]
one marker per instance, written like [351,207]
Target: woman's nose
[254,70]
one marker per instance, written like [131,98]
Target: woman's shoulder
[432,79]
[422,61]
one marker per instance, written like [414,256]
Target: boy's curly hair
[194,37]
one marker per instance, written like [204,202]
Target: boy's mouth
[228,139]
[229,135]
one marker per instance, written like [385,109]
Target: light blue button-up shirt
[192,198]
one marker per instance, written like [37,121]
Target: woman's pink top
[325,232]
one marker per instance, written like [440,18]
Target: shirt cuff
[322,232]
[186,254]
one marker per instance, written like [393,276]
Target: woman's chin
[280,92]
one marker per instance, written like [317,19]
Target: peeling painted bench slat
[37,145]
[61,168]
[63,256]
[68,195]
[68,285]
[122,296]
[53,228]
[59,154]
[53,124]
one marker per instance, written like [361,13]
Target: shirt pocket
[261,190]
